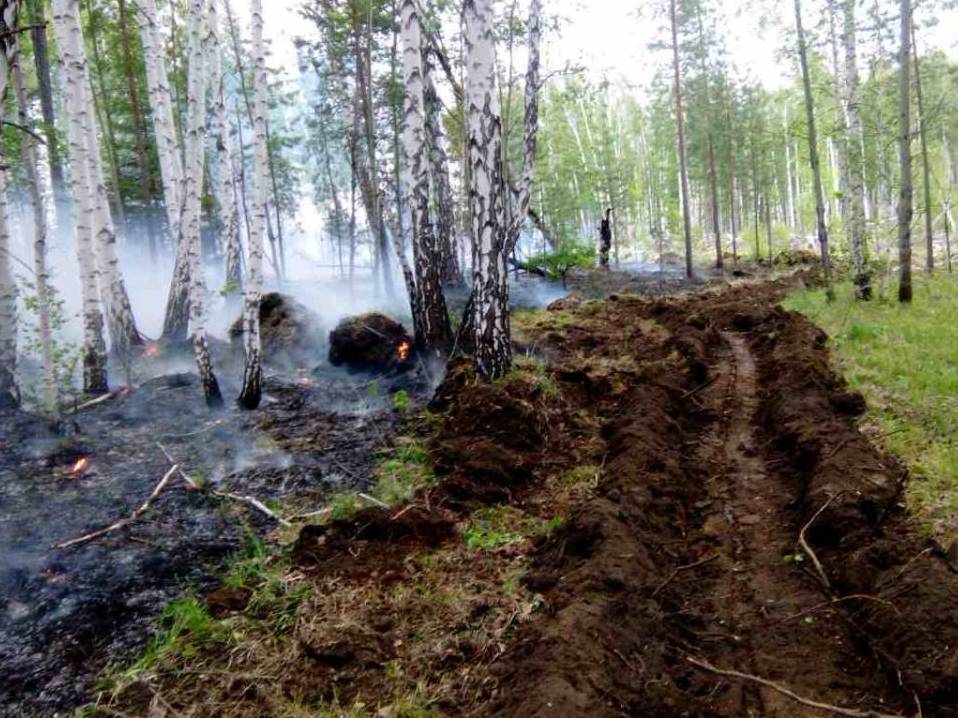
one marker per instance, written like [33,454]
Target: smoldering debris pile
[371,341]
[286,326]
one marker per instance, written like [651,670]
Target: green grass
[904,359]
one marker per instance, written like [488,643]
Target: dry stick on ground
[678,570]
[248,500]
[826,604]
[850,712]
[808,549]
[144,507]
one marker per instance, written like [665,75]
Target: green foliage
[902,358]
[401,401]
[186,626]
[556,265]
[492,527]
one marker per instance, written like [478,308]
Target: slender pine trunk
[905,208]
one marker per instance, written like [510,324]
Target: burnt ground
[66,614]
[666,510]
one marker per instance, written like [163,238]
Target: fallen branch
[837,710]
[808,549]
[678,570]
[834,601]
[248,500]
[373,500]
[696,390]
[101,399]
[144,507]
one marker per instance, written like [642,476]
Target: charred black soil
[667,509]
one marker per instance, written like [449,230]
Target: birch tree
[905,209]
[856,168]
[69,43]
[680,128]
[192,188]
[490,292]
[224,187]
[41,272]
[9,394]
[251,393]
[176,319]
[813,152]
[925,165]
[116,301]
[432,333]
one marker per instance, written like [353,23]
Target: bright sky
[612,37]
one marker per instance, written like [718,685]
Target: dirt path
[760,593]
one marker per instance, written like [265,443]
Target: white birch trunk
[492,343]
[251,393]
[224,185]
[855,167]
[433,335]
[69,42]
[192,187]
[171,166]
[116,302]
[9,394]
[28,153]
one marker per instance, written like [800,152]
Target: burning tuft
[403,351]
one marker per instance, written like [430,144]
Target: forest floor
[666,509]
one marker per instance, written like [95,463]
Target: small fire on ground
[152,349]
[80,467]
[304,378]
[403,351]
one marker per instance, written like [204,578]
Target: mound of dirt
[285,325]
[371,341]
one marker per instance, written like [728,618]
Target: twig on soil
[116,525]
[373,500]
[101,399]
[248,500]
[837,710]
[808,549]
[696,390]
[826,604]
[677,571]
[837,448]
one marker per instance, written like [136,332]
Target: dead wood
[115,526]
[837,710]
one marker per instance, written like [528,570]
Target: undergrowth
[903,359]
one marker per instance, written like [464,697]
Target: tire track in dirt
[759,591]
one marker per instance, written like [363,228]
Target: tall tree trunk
[139,128]
[279,254]
[119,313]
[225,187]
[193,187]
[251,393]
[433,335]
[439,166]
[710,149]
[856,168]
[490,293]
[28,153]
[77,113]
[732,181]
[905,209]
[680,126]
[9,393]
[839,84]
[177,317]
[813,154]
[925,165]
[41,58]
[104,117]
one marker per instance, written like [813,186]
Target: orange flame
[304,378]
[152,349]
[80,466]
[403,350]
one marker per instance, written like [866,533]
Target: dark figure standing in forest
[605,239]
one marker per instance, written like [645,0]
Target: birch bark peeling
[432,332]
[251,393]
[192,187]
[225,184]
[77,113]
[490,295]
